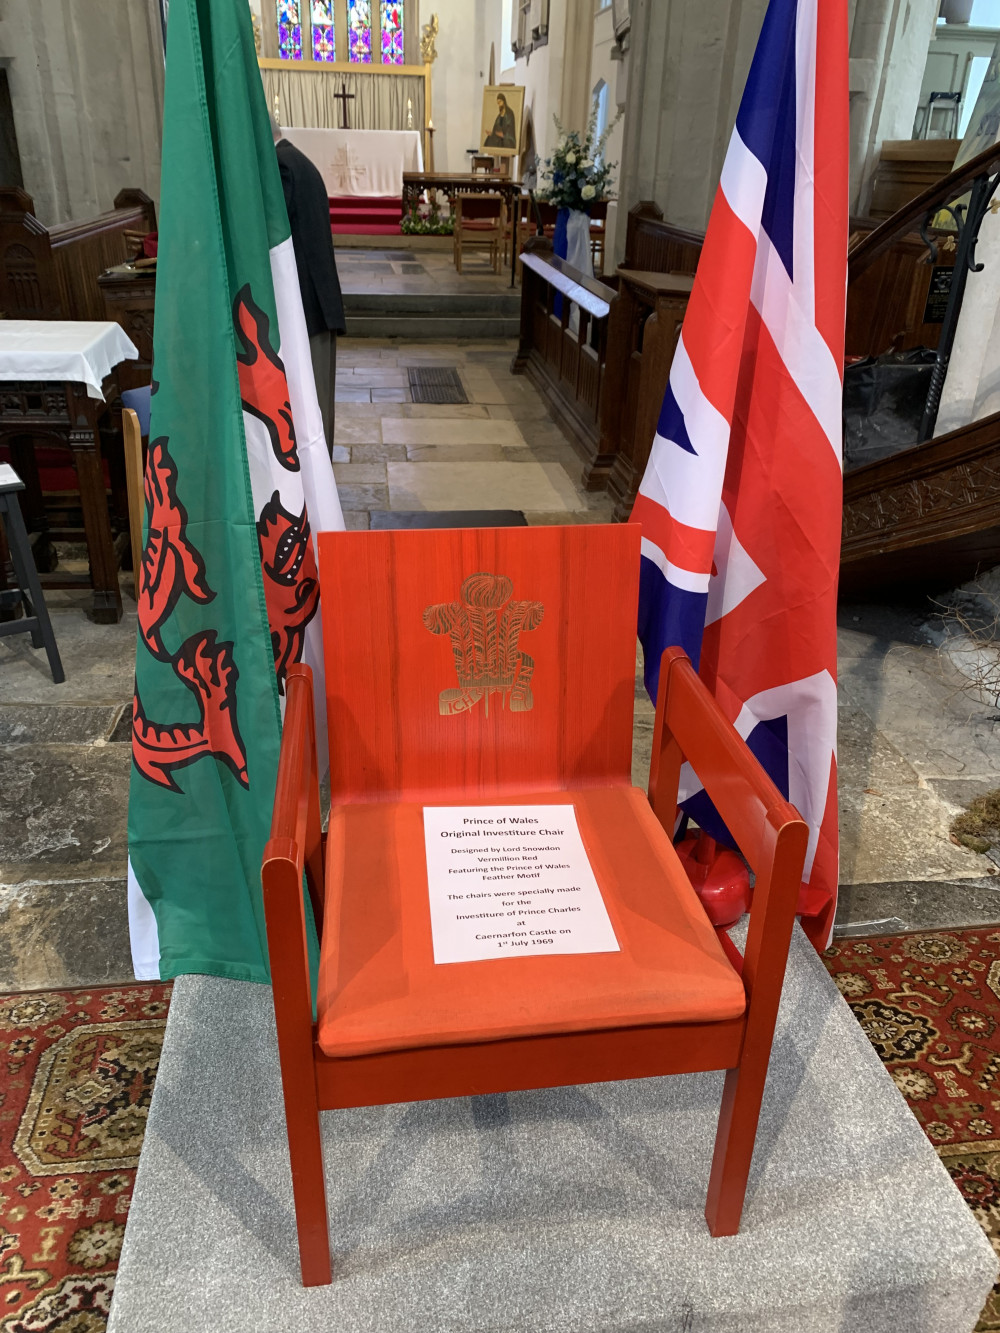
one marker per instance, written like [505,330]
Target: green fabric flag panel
[238,480]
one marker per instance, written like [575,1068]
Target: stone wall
[461,73]
[561,77]
[86,85]
[689,62]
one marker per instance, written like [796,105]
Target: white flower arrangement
[576,175]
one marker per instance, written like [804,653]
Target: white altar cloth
[362,162]
[63,349]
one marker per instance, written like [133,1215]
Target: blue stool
[28,591]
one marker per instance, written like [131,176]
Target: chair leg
[734,1144]
[305,1147]
[283,910]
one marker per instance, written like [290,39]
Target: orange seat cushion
[380,989]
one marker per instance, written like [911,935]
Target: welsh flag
[238,479]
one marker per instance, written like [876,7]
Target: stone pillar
[889,44]
[972,387]
[575,98]
[689,62]
[86,88]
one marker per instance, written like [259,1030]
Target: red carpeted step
[367,229]
[366,215]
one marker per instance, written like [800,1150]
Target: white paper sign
[505,881]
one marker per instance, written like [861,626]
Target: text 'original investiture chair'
[489,666]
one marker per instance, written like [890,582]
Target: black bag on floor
[884,399]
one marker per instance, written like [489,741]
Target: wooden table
[416,182]
[36,409]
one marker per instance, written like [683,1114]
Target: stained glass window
[324,43]
[392,32]
[289,30]
[359,31]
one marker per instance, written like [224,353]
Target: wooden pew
[655,246]
[52,272]
[653,284]
[643,329]
[567,365]
[894,305]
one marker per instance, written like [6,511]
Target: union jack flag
[740,504]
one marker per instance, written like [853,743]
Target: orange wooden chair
[477,666]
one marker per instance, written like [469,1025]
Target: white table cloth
[362,162]
[60,349]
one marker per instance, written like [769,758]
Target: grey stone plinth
[576,1210]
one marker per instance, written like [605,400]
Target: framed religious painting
[503,114]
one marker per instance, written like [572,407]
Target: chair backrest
[478,207]
[132,434]
[478,661]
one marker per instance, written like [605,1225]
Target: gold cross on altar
[343,97]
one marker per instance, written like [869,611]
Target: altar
[360,162]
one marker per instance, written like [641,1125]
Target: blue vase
[560,247]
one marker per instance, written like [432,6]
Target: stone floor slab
[45,724]
[915,698]
[577,1210]
[376,453]
[364,496]
[64,812]
[440,411]
[895,833]
[525,486]
[528,411]
[64,934]
[444,430]
[103,677]
[892,907]
[470,452]
[357,430]
[357,473]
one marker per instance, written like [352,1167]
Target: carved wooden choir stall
[52,272]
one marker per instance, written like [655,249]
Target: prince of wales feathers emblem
[484,627]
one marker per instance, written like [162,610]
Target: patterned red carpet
[77,1070]
[76,1075]
[930,1005]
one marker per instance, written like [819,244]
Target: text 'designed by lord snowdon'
[511,880]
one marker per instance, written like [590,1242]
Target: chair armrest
[768,830]
[296,813]
[294,848]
